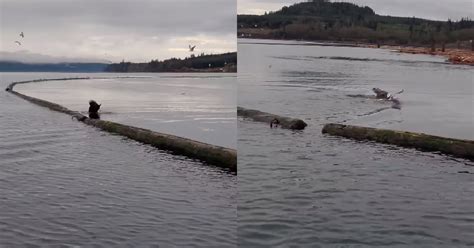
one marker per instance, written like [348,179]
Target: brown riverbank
[453,55]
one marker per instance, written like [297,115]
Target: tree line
[200,62]
[342,21]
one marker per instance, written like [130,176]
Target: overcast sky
[134,30]
[430,9]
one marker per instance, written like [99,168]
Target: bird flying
[191,48]
[22,35]
[17,42]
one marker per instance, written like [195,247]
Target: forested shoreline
[226,62]
[347,22]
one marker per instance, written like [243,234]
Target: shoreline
[453,55]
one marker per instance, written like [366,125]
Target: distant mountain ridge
[13,66]
[27,57]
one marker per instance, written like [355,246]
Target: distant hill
[326,9]
[342,21]
[226,62]
[12,66]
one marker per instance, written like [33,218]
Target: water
[65,183]
[305,189]
[196,106]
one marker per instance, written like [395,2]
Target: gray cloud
[137,30]
[437,10]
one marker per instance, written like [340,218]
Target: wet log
[10,86]
[420,141]
[211,154]
[284,122]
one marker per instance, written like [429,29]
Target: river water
[306,189]
[195,105]
[65,183]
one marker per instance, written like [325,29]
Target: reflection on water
[64,184]
[306,189]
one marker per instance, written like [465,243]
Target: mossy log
[284,122]
[424,142]
[215,155]
[211,154]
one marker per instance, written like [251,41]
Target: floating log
[424,142]
[10,86]
[284,122]
[211,154]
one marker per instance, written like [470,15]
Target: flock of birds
[22,36]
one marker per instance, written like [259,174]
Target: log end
[331,127]
[298,124]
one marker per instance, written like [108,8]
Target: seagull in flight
[22,35]
[17,42]
[191,48]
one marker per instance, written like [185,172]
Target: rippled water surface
[196,106]
[305,189]
[65,183]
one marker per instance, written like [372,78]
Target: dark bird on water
[384,95]
[94,109]
[17,42]
[191,48]
[274,123]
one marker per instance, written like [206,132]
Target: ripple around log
[211,154]
[455,147]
